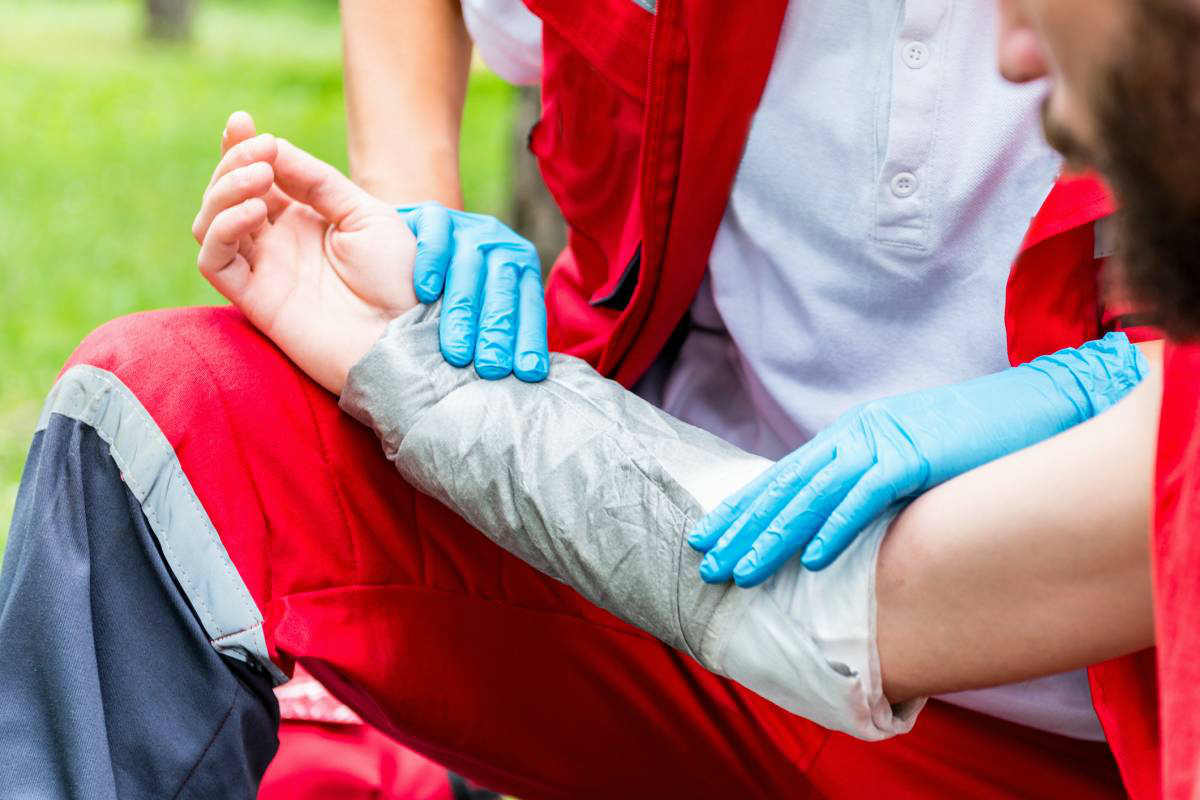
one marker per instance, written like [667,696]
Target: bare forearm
[1033,564]
[406,64]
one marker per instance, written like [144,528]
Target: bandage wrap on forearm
[597,488]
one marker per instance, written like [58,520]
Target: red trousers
[446,643]
[326,751]
[320,761]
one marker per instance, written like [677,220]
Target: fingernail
[708,567]
[532,363]
[695,537]
[812,552]
[744,568]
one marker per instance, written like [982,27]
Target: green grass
[107,142]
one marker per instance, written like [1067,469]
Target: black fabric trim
[462,789]
[618,299]
[708,329]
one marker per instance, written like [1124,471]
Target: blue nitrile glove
[821,496]
[490,278]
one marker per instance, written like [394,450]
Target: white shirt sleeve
[508,36]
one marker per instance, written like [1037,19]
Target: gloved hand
[821,496]
[493,312]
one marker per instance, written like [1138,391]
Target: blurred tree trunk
[169,19]
[534,213]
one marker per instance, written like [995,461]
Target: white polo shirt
[887,181]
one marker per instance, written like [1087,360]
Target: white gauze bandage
[597,488]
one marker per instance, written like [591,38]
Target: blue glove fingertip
[457,340]
[533,363]
[492,366]
[709,569]
[752,578]
[709,529]
[491,372]
[532,367]
[456,356]
[431,224]
[423,281]
[814,556]
[429,287]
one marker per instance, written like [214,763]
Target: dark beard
[1059,136]
[1148,112]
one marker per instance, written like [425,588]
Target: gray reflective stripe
[649,5]
[189,541]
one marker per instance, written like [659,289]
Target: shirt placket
[903,193]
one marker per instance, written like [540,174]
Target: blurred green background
[108,141]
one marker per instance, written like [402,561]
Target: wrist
[339,370]
[433,175]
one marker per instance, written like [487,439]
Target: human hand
[821,496]
[493,312]
[313,261]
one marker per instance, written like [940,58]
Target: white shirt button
[915,54]
[904,184]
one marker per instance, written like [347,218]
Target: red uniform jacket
[645,116]
[1176,556]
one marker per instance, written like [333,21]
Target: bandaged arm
[1030,565]
[597,488]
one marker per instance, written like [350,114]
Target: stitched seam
[621,342]
[190,497]
[204,753]
[919,248]
[237,445]
[115,391]
[256,627]
[139,491]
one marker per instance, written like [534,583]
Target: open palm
[313,261]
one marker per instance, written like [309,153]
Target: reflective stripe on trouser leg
[110,687]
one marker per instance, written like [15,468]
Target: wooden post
[169,19]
